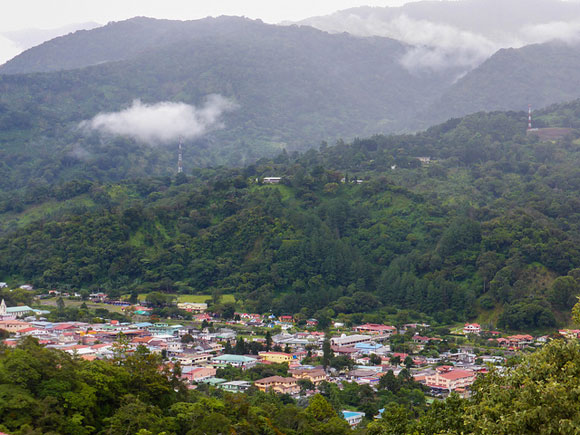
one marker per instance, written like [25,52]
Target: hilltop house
[472,328]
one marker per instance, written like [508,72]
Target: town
[275,354]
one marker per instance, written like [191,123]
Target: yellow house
[278,384]
[316,376]
[276,357]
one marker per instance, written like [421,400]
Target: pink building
[450,380]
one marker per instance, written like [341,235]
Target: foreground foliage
[44,391]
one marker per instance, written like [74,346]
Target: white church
[11,313]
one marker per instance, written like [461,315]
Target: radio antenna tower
[180,158]
[529,116]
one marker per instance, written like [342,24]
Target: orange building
[278,384]
[316,376]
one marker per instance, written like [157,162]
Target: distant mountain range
[457,36]
[540,75]
[294,87]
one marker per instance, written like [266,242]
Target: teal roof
[233,358]
[352,414]
[21,309]
[213,381]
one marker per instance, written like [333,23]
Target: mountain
[457,36]
[490,226]
[27,38]
[91,47]
[294,87]
[540,75]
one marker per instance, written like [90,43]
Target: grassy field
[72,303]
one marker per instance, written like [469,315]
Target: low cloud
[459,36]
[568,32]
[440,46]
[8,49]
[163,122]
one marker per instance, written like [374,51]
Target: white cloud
[163,122]
[439,46]
[460,35]
[8,49]
[556,30]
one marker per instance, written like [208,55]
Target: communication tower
[180,158]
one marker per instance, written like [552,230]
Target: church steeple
[2,308]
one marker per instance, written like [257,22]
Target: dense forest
[488,228]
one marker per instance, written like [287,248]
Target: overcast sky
[22,14]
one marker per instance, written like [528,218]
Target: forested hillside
[293,88]
[490,226]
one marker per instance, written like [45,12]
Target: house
[353,418]
[357,374]
[197,374]
[192,307]
[409,326]
[272,180]
[570,333]
[161,329]
[278,384]
[472,328]
[276,357]
[13,325]
[214,381]
[286,319]
[235,386]
[343,350]
[203,317]
[244,362]
[449,379]
[492,359]
[316,376]
[376,329]
[193,359]
[520,341]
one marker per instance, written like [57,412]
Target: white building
[272,180]
[472,328]
[353,418]
[11,313]
[350,340]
